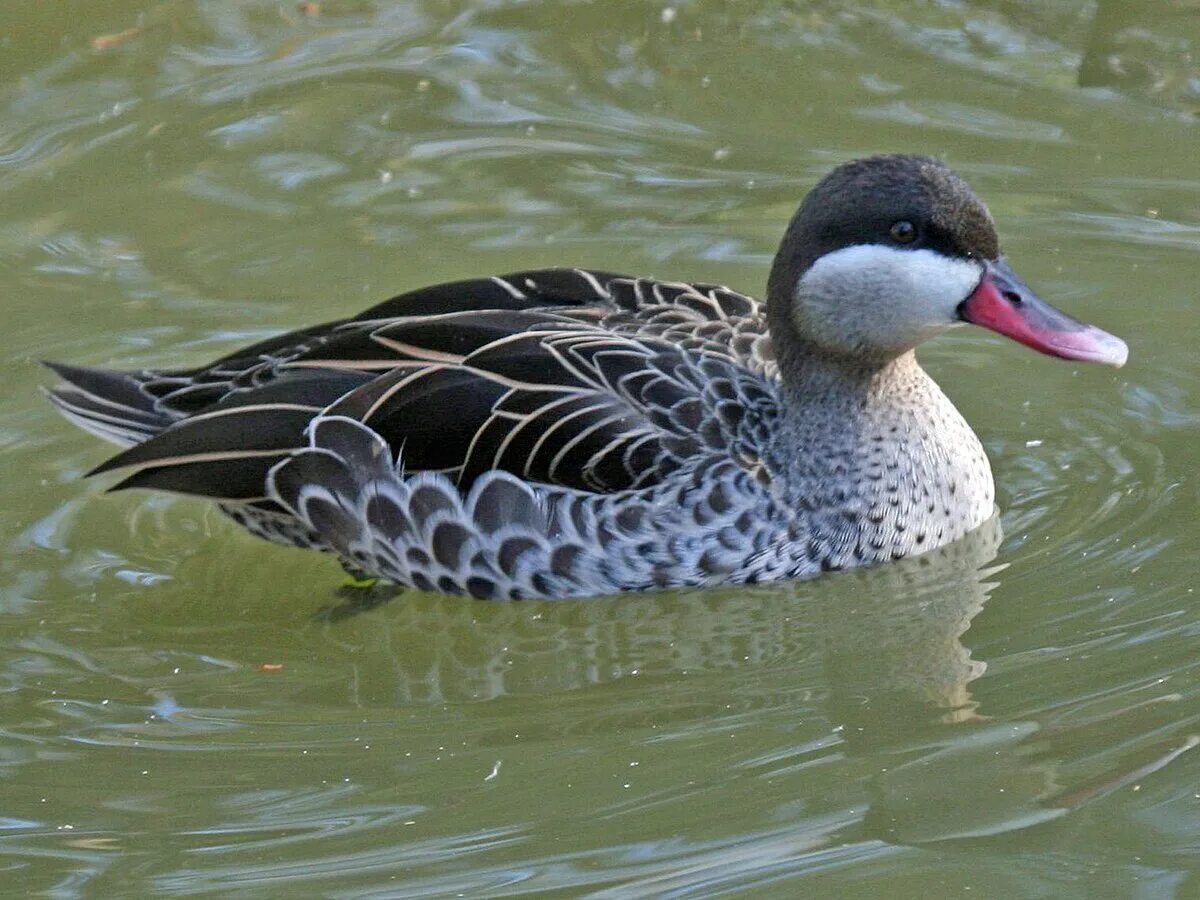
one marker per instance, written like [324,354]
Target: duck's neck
[849,392]
[864,432]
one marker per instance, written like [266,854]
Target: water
[182,713]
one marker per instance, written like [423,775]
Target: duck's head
[889,251]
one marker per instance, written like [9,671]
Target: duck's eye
[903,232]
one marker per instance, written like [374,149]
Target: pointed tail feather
[108,404]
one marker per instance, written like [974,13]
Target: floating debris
[102,42]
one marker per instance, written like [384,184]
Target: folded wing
[565,377]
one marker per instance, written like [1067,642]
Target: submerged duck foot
[358,596]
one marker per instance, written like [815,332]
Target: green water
[992,721]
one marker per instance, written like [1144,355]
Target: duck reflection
[880,651]
[877,654]
[899,680]
[884,636]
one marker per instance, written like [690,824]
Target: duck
[569,432]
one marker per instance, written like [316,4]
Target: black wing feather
[243,430]
[239,479]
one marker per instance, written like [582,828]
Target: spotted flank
[505,537]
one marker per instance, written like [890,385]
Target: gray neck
[809,372]
[875,454]
[838,411]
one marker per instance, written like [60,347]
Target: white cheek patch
[870,295]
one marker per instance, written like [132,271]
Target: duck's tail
[107,403]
